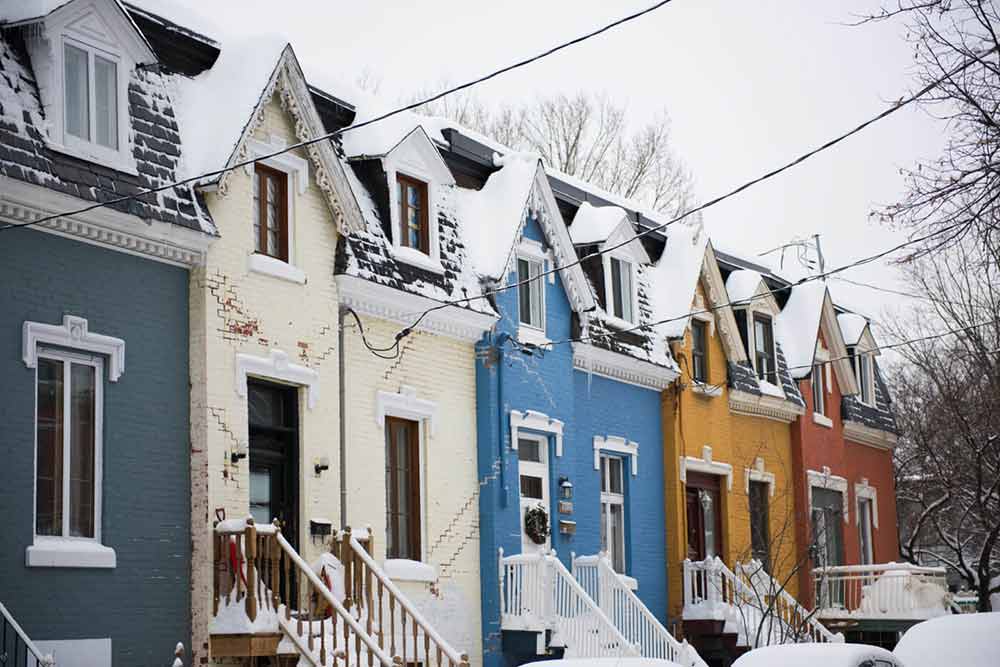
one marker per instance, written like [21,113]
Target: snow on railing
[756,607]
[628,613]
[16,647]
[889,590]
[538,593]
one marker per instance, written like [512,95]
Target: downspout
[501,341]
[342,396]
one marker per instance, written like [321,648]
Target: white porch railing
[628,613]
[751,603]
[16,648]
[538,593]
[886,591]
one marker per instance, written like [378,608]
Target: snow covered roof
[741,285]
[829,654]
[969,640]
[493,214]
[852,326]
[594,224]
[26,10]
[797,326]
[674,278]
[215,107]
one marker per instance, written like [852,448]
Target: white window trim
[432,260]
[626,258]
[276,367]
[405,405]
[706,465]
[863,490]
[531,251]
[531,420]
[121,158]
[758,474]
[64,550]
[867,359]
[73,333]
[825,480]
[611,498]
[614,443]
[751,334]
[296,169]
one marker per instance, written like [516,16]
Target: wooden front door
[274,445]
[704,516]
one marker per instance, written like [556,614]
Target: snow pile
[594,224]
[852,327]
[742,285]
[493,215]
[408,570]
[900,594]
[24,10]
[674,277]
[604,662]
[330,571]
[797,327]
[186,20]
[232,618]
[214,107]
[815,655]
[960,640]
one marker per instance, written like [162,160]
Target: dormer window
[531,307]
[699,351]
[866,377]
[818,390]
[270,212]
[414,231]
[622,292]
[764,361]
[90,83]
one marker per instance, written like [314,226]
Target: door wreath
[536,524]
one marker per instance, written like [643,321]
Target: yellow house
[726,423]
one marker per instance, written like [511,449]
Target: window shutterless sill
[65,552]
[708,390]
[116,160]
[619,323]
[416,258]
[822,420]
[532,336]
[276,268]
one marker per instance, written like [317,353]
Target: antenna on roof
[805,247]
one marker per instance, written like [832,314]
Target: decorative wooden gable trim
[287,80]
[714,289]
[834,339]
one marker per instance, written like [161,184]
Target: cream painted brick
[441,370]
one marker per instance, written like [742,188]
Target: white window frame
[752,338]
[119,158]
[867,555]
[865,359]
[432,260]
[65,550]
[610,498]
[531,251]
[633,298]
[296,170]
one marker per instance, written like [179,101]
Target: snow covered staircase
[538,594]
[344,611]
[628,613]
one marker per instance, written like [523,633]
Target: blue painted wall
[142,604]
[510,379]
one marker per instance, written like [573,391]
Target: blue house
[573,558]
[95,563]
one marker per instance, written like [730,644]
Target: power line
[879,288]
[335,133]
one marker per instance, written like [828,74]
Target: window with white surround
[530,292]
[621,295]
[764,351]
[865,531]
[818,390]
[90,95]
[613,510]
[866,377]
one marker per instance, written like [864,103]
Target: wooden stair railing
[388,615]
[280,593]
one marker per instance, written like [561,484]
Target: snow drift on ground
[959,640]
[815,655]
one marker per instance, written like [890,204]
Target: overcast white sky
[748,85]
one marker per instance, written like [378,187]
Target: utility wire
[879,288]
[356,126]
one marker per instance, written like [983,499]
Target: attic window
[863,370]
[270,218]
[764,355]
[699,351]
[622,290]
[414,231]
[91,96]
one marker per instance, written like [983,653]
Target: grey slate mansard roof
[878,416]
[25,155]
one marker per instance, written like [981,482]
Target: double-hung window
[699,351]
[764,348]
[270,212]
[622,289]
[819,390]
[865,530]
[68,410]
[760,532]
[90,94]
[863,366]
[402,488]
[414,231]
[613,510]
[530,298]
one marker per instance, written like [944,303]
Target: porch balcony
[889,591]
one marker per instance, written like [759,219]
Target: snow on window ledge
[710,390]
[416,258]
[69,552]
[400,569]
[276,268]
[822,420]
[618,322]
[770,389]
[532,336]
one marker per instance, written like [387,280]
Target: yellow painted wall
[691,421]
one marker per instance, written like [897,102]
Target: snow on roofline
[176,17]
[594,224]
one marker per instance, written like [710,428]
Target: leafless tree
[587,136]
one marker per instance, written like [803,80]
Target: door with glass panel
[704,516]
[828,542]
[533,473]
[613,510]
[274,443]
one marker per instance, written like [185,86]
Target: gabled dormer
[609,230]
[862,350]
[83,54]
[867,415]
[755,310]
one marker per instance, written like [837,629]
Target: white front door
[533,471]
